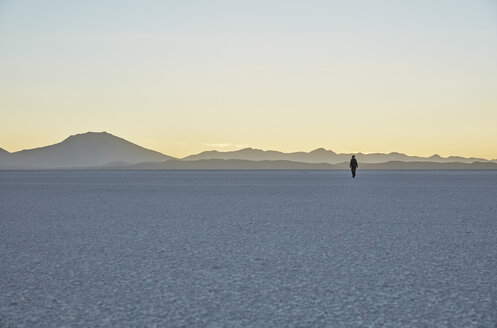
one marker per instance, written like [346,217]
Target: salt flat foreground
[248,249]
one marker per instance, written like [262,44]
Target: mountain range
[102,150]
[321,155]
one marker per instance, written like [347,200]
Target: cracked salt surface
[248,249]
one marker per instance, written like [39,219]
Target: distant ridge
[104,151]
[83,150]
[321,155]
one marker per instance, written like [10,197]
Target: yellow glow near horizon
[290,77]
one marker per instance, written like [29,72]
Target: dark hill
[85,150]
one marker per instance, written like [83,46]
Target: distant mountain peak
[322,151]
[91,134]
[88,149]
[249,150]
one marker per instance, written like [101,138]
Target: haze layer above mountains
[101,150]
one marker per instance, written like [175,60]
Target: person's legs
[353,172]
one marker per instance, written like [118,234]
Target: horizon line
[247,147]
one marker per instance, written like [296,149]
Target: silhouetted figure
[353,165]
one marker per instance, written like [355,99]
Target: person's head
[353,156]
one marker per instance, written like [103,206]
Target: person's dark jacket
[353,163]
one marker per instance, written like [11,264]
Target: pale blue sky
[180,76]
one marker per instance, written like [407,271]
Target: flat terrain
[248,249]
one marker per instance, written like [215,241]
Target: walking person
[353,165]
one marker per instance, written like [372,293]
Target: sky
[181,77]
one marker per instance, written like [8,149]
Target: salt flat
[248,249]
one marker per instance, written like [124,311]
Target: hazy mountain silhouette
[102,150]
[250,154]
[83,150]
[321,155]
